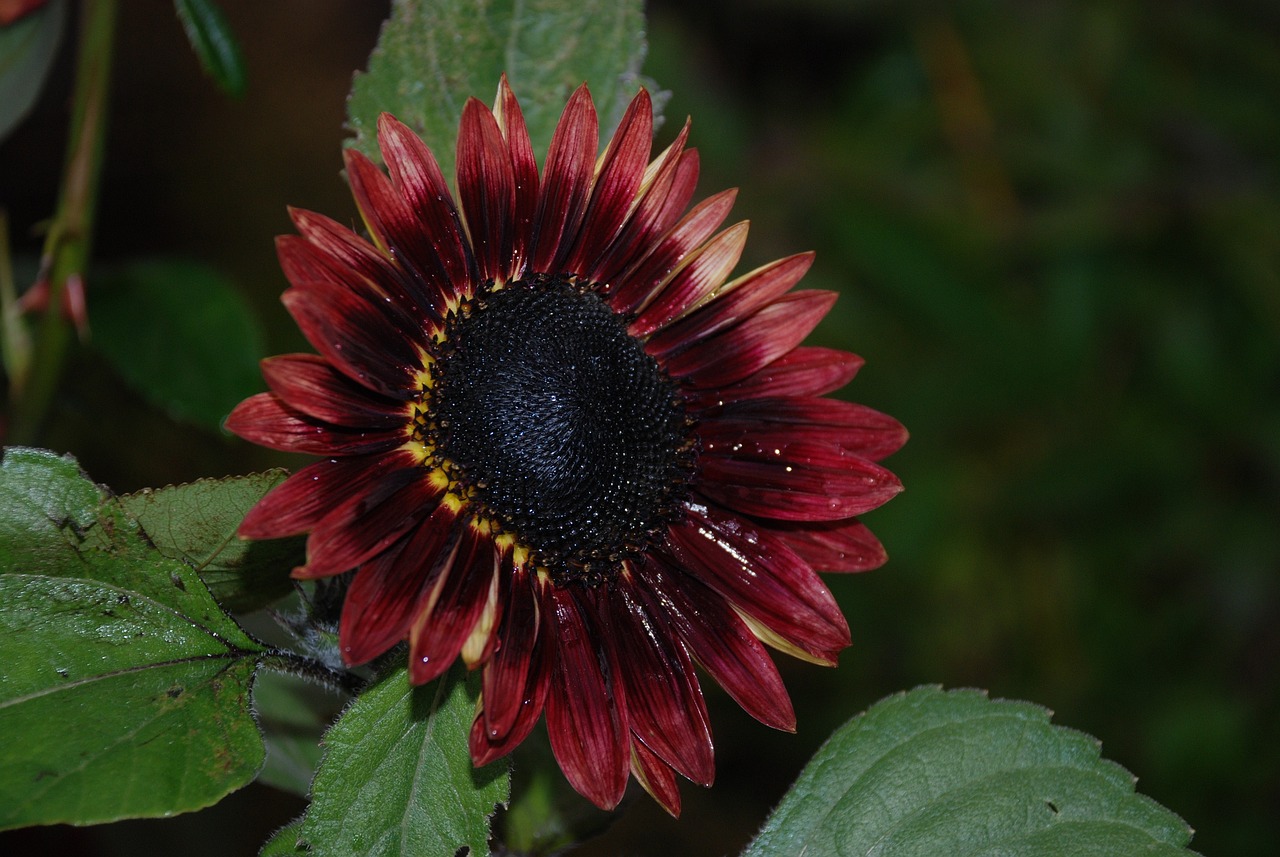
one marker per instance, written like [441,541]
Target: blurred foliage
[1056,230]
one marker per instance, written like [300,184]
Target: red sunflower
[559,442]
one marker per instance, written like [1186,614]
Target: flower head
[560,442]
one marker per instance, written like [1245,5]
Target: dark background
[1055,227]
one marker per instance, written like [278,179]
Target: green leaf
[181,335]
[434,54]
[931,772]
[197,523]
[27,50]
[125,689]
[397,776]
[214,43]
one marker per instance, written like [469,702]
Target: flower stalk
[67,246]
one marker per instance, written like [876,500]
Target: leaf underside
[434,54]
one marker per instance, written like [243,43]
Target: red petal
[340,256]
[806,371]
[311,385]
[385,595]
[719,640]
[417,176]
[525,169]
[657,778]
[733,302]
[761,576]
[452,605]
[505,683]
[661,200]
[484,747]
[834,545]
[586,719]
[356,337]
[733,354]
[487,188]
[566,182]
[636,286]
[303,262]
[854,427]
[614,190]
[683,183]
[265,420]
[398,232]
[700,273]
[836,485]
[297,504]
[369,522]
[665,708]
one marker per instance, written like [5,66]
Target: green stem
[66,249]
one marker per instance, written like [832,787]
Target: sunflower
[559,442]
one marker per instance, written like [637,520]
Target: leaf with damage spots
[125,689]
[197,522]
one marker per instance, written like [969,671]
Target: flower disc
[566,430]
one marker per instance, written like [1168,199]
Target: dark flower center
[555,418]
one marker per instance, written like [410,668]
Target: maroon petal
[806,371]
[678,197]
[657,777]
[701,272]
[303,262]
[663,196]
[719,640]
[505,682]
[449,609]
[637,285]
[369,522]
[265,420]
[485,747]
[834,545]
[524,168]
[665,708]
[735,353]
[311,385]
[818,484]
[396,230]
[854,427]
[356,337]
[566,182]
[297,504]
[732,302]
[417,176]
[487,189]
[343,256]
[384,598]
[614,190]
[765,580]
[586,717]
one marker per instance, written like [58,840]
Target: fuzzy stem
[282,660]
